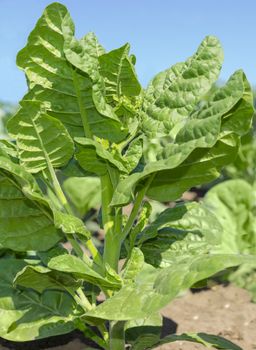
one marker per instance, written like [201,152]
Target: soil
[225,311]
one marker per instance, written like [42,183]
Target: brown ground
[225,311]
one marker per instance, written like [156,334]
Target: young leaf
[119,74]
[63,262]
[133,154]
[70,224]
[92,157]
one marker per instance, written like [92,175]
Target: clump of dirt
[225,311]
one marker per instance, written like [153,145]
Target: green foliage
[243,167]
[233,204]
[87,135]
[6,111]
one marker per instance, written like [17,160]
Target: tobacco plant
[86,119]
[233,202]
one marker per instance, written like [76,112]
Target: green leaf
[41,278]
[84,193]
[70,224]
[154,288]
[119,74]
[61,261]
[239,119]
[232,202]
[244,166]
[24,225]
[66,93]
[134,266]
[180,233]
[144,333]
[201,147]
[93,157]
[84,53]
[208,340]
[170,182]
[201,167]
[187,217]
[23,178]
[73,169]
[25,221]
[27,315]
[174,93]
[133,154]
[41,139]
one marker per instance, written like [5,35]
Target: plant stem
[117,336]
[106,196]
[84,300]
[58,190]
[94,252]
[63,200]
[112,243]
[76,246]
[104,332]
[136,207]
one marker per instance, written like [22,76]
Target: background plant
[6,111]
[86,116]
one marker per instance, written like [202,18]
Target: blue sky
[161,32]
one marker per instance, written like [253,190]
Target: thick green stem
[112,243]
[117,335]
